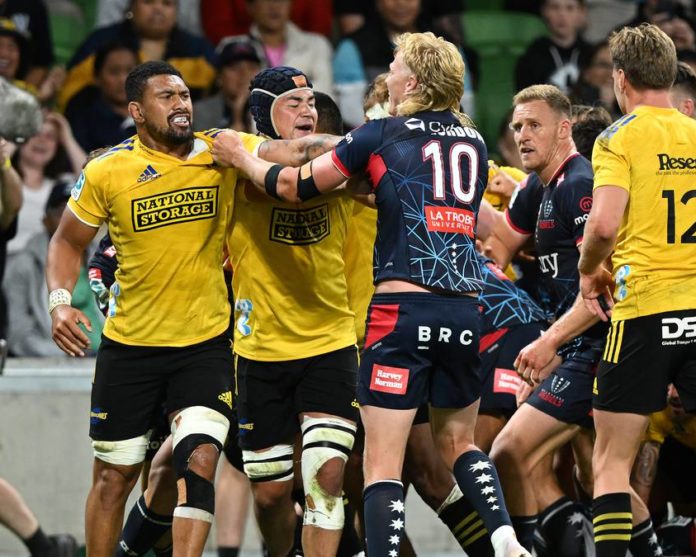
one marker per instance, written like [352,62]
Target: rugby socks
[465,524]
[525,526]
[644,540]
[478,480]
[611,519]
[38,544]
[143,528]
[228,551]
[384,517]
[561,525]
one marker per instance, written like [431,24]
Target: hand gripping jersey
[428,173]
[562,209]
[504,304]
[167,218]
[651,153]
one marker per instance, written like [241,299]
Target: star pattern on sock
[575,518]
[397,524]
[394,540]
[495,508]
[491,499]
[653,539]
[396,506]
[480,466]
[488,490]
[393,553]
[484,478]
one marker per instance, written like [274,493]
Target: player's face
[400,81]
[294,114]
[112,76]
[154,19]
[9,57]
[165,110]
[536,129]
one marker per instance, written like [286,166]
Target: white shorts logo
[674,328]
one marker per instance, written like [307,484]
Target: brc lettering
[425,335]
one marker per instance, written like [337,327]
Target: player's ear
[136,112]
[565,129]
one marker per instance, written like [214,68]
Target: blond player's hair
[439,69]
[646,55]
[550,94]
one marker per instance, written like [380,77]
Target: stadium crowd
[451,244]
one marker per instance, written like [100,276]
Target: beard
[170,135]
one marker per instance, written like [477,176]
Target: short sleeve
[576,205]
[353,152]
[88,197]
[522,212]
[252,142]
[657,431]
[610,162]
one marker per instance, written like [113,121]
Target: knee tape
[273,465]
[196,499]
[191,428]
[126,452]
[322,440]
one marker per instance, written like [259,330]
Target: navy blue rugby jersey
[504,303]
[428,173]
[563,210]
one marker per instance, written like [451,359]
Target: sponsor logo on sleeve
[76,192]
[165,209]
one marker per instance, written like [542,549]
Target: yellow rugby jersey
[358,254]
[167,219]
[665,424]
[288,276]
[651,153]
[499,202]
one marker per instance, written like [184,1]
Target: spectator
[605,15]
[221,18]
[98,114]
[15,62]
[285,44]
[556,59]
[31,19]
[29,320]
[683,93]
[596,85]
[10,202]
[671,17]
[688,57]
[367,52]
[188,14]
[40,161]
[240,62]
[150,26]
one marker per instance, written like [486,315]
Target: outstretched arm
[282,182]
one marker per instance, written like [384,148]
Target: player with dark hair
[164,338]
[683,93]
[428,168]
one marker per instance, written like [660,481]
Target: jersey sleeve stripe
[513,226]
[339,165]
[91,225]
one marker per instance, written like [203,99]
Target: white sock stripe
[647,528]
[193,514]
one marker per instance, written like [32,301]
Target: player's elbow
[602,229]
[287,185]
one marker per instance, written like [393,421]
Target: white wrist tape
[58,297]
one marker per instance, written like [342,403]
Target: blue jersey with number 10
[428,173]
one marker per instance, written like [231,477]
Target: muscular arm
[533,361]
[504,242]
[608,206]
[10,194]
[645,469]
[297,152]
[65,253]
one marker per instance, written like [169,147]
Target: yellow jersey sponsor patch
[300,226]
[175,207]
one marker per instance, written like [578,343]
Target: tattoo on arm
[318,144]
